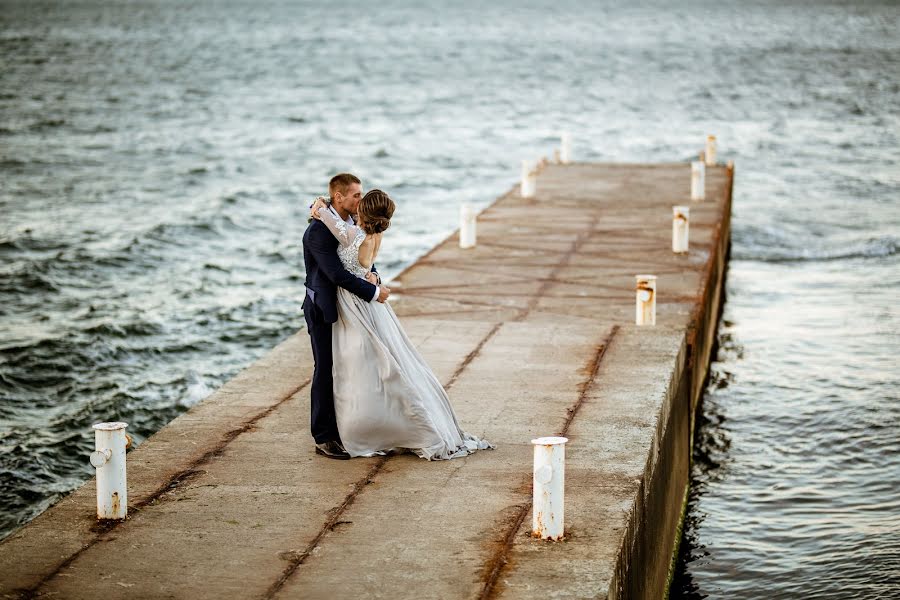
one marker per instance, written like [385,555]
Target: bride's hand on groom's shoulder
[315,206]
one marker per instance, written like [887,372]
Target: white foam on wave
[196,391]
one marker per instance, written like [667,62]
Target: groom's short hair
[340,183]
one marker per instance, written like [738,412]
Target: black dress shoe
[332,449]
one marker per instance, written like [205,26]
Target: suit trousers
[323,425]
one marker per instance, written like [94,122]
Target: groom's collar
[338,215]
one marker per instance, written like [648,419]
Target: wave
[11,163]
[28,242]
[27,277]
[211,226]
[766,247]
[45,124]
[34,263]
[124,330]
[95,129]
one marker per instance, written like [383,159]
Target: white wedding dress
[386,397]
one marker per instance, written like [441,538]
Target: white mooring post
[467,226]
[698,180]
[565,148]
[710,150]
[680,228]
[529,180]
[109,459]
[549,487]
[645,300]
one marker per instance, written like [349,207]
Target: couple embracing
[372,392]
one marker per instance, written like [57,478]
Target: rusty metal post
[698,180]
[467,226]
[710,150]
[549,487]
[680,228]
[565,148]
[109,460]
[645,300]
[529,180]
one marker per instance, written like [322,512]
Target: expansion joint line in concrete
[453,265]
[486,308]
[498,561]
[431,293]
[452,311]
[336,514]
[551,279]
[338,511]
[104,527]
[471,355]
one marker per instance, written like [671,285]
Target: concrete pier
[532,332]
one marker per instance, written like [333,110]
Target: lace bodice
[350,238]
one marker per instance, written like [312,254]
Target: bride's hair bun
[375,211]
[378,224]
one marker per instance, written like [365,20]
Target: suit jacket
[325,272]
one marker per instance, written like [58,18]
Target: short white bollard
[710,150]
[467,226]
[565,148]
[109,459]
[680,228]
[529,180]
[549,487]
[698,180]
[645,300]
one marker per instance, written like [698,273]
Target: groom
[324,273]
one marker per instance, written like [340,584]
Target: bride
[386,397]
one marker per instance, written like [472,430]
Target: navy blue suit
[324,273]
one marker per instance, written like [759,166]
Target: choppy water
[156,158]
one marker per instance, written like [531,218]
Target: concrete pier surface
[532,332]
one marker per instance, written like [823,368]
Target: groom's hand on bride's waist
[383,293]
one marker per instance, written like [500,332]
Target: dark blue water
[156,159]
